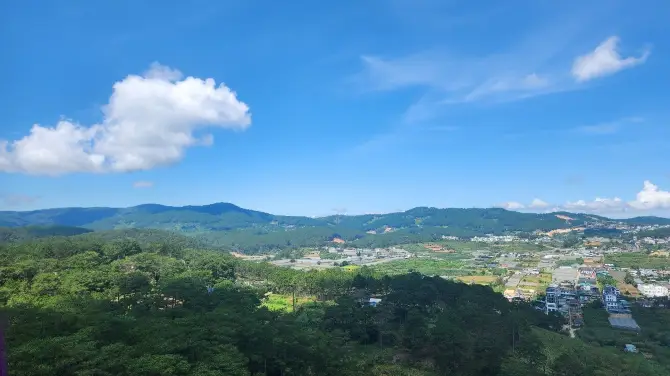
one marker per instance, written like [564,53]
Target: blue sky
[337,106]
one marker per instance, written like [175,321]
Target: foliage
[663,232]
[637,260]
[82,306]
[423,266]
[577,261]
[8,234]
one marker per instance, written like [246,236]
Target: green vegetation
[423,266]
[583,358]
[638,260]
[577,261]
[663,232]
[284,302]
[82,306]
[653,340]
[228,226]
[8,234]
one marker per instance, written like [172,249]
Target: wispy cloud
[458,79]
[604,60]
[609,127]
[402,134]
[537,65]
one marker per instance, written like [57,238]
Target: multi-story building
[611,297]
[552,297]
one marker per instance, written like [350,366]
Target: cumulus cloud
[651,197]
[149,121]
[143,184]
[538,204]
[511,205]
[603,61]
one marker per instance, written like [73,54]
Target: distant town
[557,271]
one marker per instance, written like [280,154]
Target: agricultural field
[424,266]
[468,246]
[479,279]
[626,289]
[282,302]
[539,283]
[638,260]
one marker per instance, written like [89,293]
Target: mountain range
[230,226]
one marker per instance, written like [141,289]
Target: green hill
[228,225]
[9,234]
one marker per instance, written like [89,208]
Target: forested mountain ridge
[14,234]
[228,225]
[82,306]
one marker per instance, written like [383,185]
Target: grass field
[638,260]
[542,278]
[351,268]
[479,279]
[279,302]
[468,246]
[424,266]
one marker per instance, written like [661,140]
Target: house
[611,297]
[374,301]
[653,290]
[609,289]
[629,348]
[551,301]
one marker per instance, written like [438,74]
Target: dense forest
[97,305]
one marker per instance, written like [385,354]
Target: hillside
[113,305]
[15,234]
[228,225]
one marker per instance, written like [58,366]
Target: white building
[651,290]
[610,301]
[611,297]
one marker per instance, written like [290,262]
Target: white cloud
[599,205]
[538,204]
[609,127]
[143,184]
[599,129]
[456,80]
[511,205]
[650,198]
[603,61]
[530,68]
[149,121]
